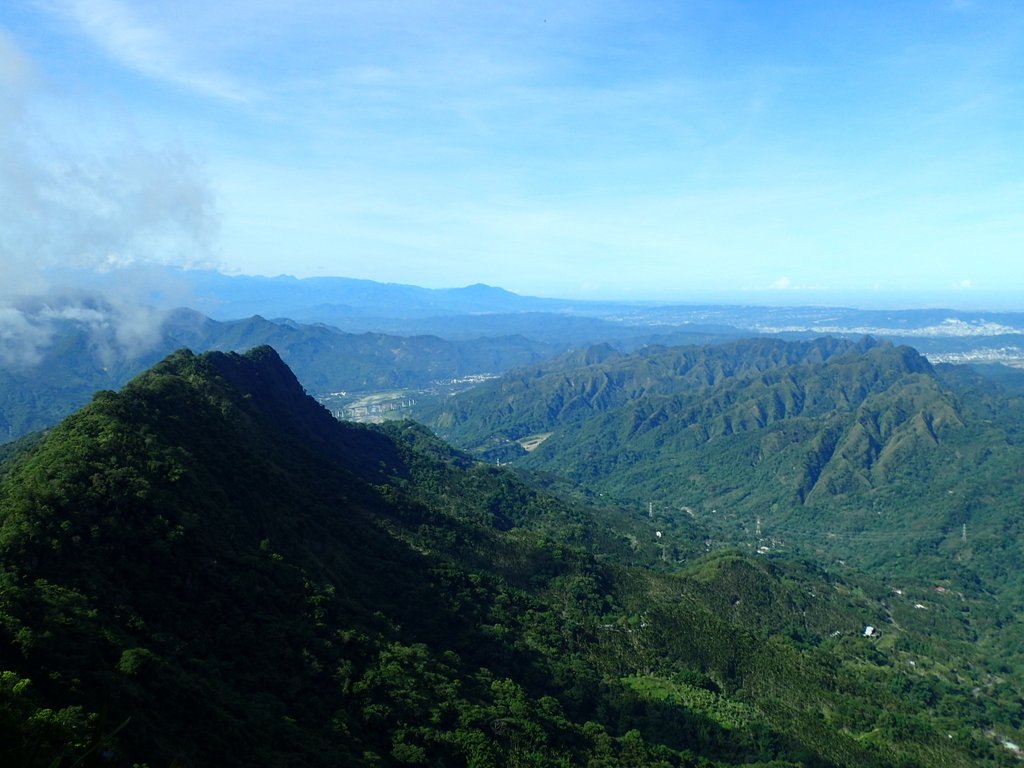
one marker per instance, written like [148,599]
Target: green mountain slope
[850,450]
[599,379]
[207,568]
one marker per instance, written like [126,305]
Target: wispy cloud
[145,47]
[114,207]
[96,205]
[116,327]
[703,141]
[15,68]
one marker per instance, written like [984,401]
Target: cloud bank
[68,209]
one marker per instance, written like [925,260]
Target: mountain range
[83,357]
[206,567]
[360,337]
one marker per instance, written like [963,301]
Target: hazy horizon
[977,301]
[860,154]
[1010,301]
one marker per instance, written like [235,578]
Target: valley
[376,407]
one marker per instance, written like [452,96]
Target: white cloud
[100,207]
[21,339]
[116,327]
[782,284]
[112,207]
[145,47]
[15,68]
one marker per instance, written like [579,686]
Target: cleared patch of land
[532,442]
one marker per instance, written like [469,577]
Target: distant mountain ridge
[81,358]
[333,299]
[599,378]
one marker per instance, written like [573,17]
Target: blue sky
[765,152]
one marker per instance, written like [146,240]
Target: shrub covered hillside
[207,569]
